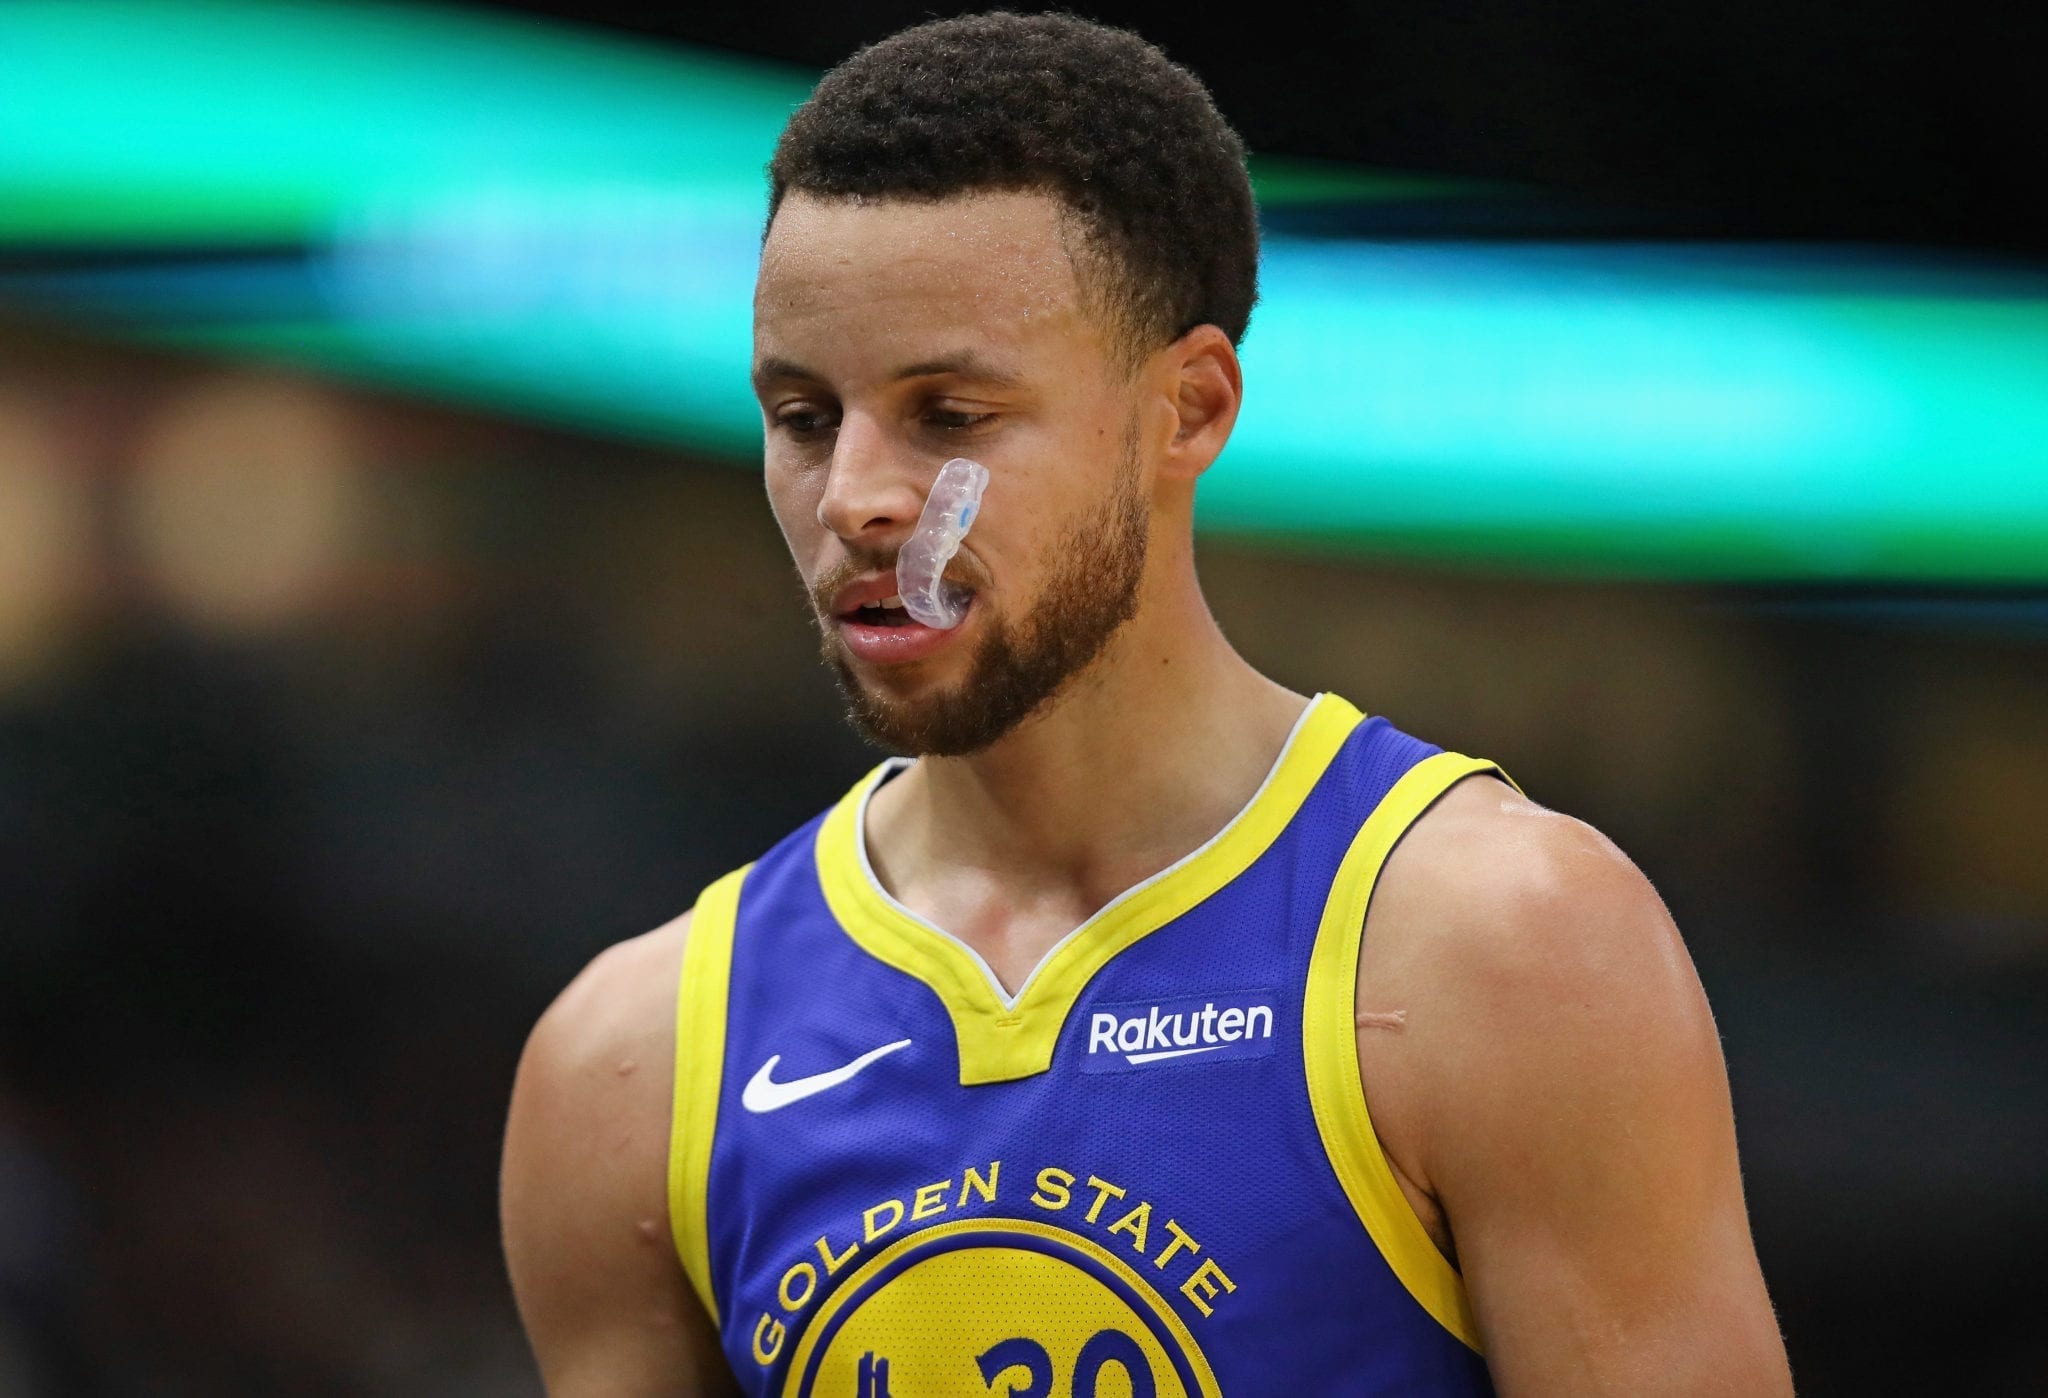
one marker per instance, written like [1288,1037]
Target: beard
[1020,667]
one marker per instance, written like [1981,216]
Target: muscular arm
[584,1188]
[1555,1104]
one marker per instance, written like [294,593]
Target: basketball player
[1151,1029]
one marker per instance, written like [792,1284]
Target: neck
[1139,761]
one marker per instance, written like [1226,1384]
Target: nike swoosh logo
[764,1094]
[1169,1053]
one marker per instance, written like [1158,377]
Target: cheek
[1012,554]
[793,497]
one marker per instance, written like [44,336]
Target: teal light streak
[226,119]
[565,225]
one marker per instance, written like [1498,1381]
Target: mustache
[827,584]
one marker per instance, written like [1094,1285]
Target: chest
[1166,1155]
[1147,1170]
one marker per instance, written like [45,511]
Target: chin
[914,716]
[973,689]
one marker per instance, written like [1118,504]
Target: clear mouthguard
[949,513]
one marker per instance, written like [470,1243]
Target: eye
[952,420]
[805,419]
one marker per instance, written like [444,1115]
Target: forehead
[893,273]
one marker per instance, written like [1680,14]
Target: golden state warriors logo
[1011,1308]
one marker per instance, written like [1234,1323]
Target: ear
[1204,383]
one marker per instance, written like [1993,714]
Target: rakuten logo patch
[1211,1027]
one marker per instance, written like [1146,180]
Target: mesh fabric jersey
[1151,1171]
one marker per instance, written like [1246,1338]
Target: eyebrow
[964,364]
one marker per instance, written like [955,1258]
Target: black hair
[1128,140]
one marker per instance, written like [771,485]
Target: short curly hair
[1128,140]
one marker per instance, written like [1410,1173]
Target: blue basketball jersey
[1150,1171]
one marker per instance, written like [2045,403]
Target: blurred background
[1653,398]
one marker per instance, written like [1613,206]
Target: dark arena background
[1653,397]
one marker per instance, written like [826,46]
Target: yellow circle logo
[1009,1308]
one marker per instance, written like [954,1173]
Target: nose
[871,486]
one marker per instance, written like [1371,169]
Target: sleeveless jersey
[1151,1171]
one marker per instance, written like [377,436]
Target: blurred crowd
[337,731]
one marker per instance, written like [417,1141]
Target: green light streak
[563,225]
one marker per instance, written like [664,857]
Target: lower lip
[895,645]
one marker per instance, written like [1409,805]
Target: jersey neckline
[1003,1037]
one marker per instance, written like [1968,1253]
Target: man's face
[889,337]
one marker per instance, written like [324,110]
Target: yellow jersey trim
[701,993]
[1329,1030]
[996,1228]
[1002,1039]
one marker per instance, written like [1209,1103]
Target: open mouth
[890,611]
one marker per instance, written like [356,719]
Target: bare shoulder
[616,1017]
[1544,1073]
[1512,954]
[1524,919]
[1508,950]
[583,1193]
[596,1070]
